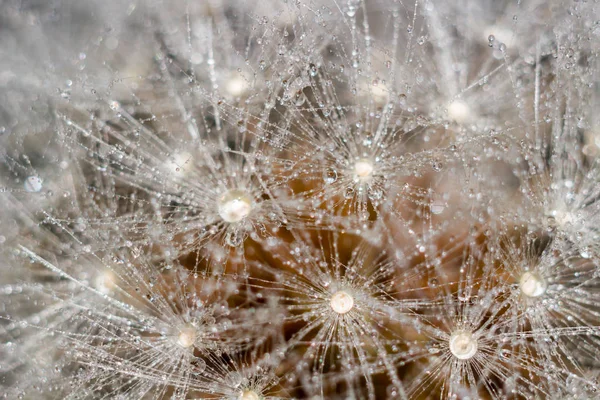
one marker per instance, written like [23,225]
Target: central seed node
[459,111]
[236,85]
[532,284]
[363,168]
[187,337]
[105,282]
[234,205]
[249,395]
[463,345]
[341,302]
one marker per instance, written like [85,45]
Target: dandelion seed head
[463,345]
[532,284]
[247,209]
[341,302]
[234,205]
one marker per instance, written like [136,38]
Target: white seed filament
[363,169]
[532,284]
[234,205]
[341,302]
[463,345]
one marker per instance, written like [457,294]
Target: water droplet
[341,302]
[33,184]
[463,345]
[234,205]
[330,176]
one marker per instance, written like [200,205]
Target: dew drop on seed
[437,207]
[363,168]
[234,205]
[532,284]
[249,395]
[187,337]
[341,302]
[330,176]
[33,184]
[463,345]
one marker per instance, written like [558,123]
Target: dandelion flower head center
[234,205]
[363,169]
[532,284]
[341,302]
[463,345]
[187,337]
[249,395]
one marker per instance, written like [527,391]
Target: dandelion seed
[437,206]
[253,200]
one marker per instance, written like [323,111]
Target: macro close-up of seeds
[300,199]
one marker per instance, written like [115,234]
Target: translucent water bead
[33,184]
[459,111]
[234,205]
[341,302]
[249,395]
[532,284]
[363,169]
[105,282]
[187,337]
[236,85]
[463,345]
